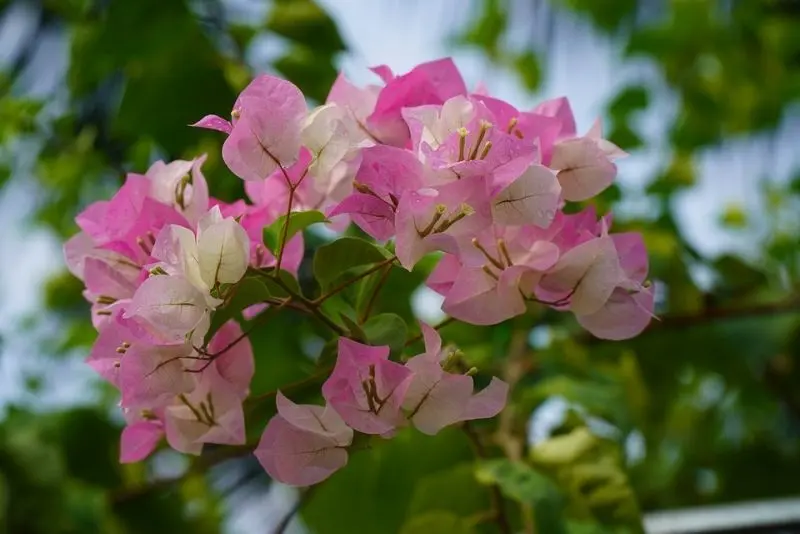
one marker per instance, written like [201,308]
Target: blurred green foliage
[711,394]
[710,391]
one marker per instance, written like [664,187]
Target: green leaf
[602,398]
[250,290]
[631,99]
[518,481]
[438,523]
[333,259]
[529,69]
[737,277]
[386,329]
[276,289]
[456,491]
[373,493]
[3,503]
[624,136]
[356,332]
[565,449]
[298,221]
[92,460]
[308,70]
[522,483]
[794,184]
[304,22]
[487,29]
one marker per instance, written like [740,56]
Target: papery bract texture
[367,389]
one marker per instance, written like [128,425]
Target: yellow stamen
[462,142]
[511,125]
[496,263]
[481,134]
[488,271]
[437,215]
[486,149]
[501,244]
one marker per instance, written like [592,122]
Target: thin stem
[344,285]
[516,366]
[374,297]
[310,306]
[292,188]
[299,384]
[243,335]
[366,130]
[285,229]
[203,463]
[709,315]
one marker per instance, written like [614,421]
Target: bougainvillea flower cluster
[419,163]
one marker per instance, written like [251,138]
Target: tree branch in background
[516,366]
[713,314]
[200,466]
[710,315]
[347,283]
[374,297]
[498,502]
[287,519]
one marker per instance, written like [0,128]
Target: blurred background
[703,408]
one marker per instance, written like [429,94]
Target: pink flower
[532,127]
[152,375]
[198,400]
[357,102]
[428,83]
[214,122]
[366,389]
[629,309]
[430,126]
[611,150]
[255,219]
[585,164]
[435,218]
[218,253]
[128,223]
[384,72]
[106,353]
[532,198]
[274,191]
[303,444]
[370,213]
[493,275]
[234,363]
[583,168]
[180,184]
[436,398]
[210,413]
[334,138]
[585,276]
[108,287]
[559,109]
[265,132]
[464,137]
[170,309]
[478,297]
[385,174]
[140,437]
